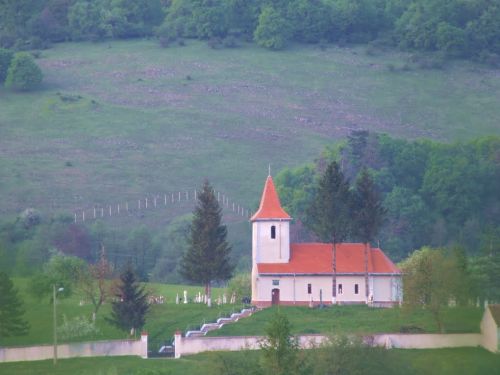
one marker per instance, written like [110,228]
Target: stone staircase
[207,327]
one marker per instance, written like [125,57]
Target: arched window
[273,231]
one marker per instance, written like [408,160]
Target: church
[285,273]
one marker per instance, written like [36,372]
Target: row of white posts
[154,202]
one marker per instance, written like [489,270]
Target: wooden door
[275,296]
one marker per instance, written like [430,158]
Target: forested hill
[435,194]
[457,28]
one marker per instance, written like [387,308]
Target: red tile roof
[316,258]
[270,206]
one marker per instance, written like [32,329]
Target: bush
[230,42]
[5,60]
[76,327]
[23,73]
[241,285]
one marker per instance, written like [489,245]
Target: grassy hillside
[359,319]
[161,323]
[123,120]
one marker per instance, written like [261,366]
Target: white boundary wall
[193,345]
[80,349]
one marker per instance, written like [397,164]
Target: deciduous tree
[279,348]
[23,74]
[94,283]
[431,279]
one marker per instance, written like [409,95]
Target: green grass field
[122,120]
[161,323]
[355,319]
[461,361]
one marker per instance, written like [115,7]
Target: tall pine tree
[130,309]
[329,213]
[208,256]
[368,215]
[11,309]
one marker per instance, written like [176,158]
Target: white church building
[302,273]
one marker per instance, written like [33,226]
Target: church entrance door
[275,296]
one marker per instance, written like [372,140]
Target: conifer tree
[368,215]
[208,256]
[130,309]
[329,212]
[11,309]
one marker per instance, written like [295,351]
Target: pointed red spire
[270,206]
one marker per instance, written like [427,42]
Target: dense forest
[454,28]
[435,194]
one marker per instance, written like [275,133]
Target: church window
[276,282]
[273,231]
[309,288]
[356,289]
[340,289]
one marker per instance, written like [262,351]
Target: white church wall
[348,284]
[294,289]
[382,288]
[323,283]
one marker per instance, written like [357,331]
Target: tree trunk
[439,322]
[334,268]
[367,284]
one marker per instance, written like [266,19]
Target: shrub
[23,73]
[5,60]
[230,42]
[77,327]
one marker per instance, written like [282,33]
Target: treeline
[31,240]
[435,194]
[458,28]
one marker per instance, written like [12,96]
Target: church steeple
[270,206]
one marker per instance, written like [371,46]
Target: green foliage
[241,285]
[11,309]
[207,258]
[62,271]
[368,212]
[349,355]
[455,27]
[431,279]
[130,307]
[86,20]
[330,211]
[143,251]
[279,348]
[23,73]
[77,327]
[273,31]
[5,59]
[295,200]
[435,194]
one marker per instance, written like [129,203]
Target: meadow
[121,120]
[466,361]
